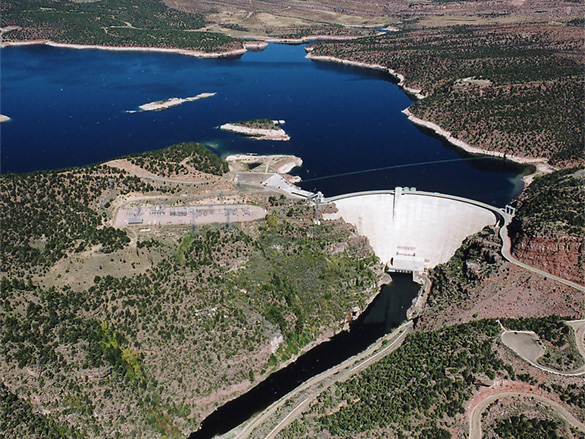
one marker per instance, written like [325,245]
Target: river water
[69,108]
[387,311]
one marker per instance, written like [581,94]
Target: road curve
[506,246]
[344,370]
[573,373]
[475,418]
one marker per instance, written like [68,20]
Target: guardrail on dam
[412,230]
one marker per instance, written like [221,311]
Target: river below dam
[385,312]
[71,107]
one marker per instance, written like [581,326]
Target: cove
[385,312]
[69,108]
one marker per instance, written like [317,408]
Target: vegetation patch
[553,203]
[533,104]
[421,389]
[175,160]
[133,23]
[521,427]
[476,258]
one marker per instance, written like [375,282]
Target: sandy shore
[195,53]
[539,162]
[172,102]
[257,133]
[415,92]
[4,118]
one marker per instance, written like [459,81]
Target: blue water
[69,108]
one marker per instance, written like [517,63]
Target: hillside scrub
[528,100]
[134,23]
[421,389]
[549,227]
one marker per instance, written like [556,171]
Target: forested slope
[515,89]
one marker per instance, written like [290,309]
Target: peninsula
[172,102]
[260,129]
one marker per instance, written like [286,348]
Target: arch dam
[410,230]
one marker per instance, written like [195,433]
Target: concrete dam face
[410,230]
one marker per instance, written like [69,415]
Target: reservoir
[75,107]
[387,311]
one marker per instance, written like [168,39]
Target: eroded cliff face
[561,255]
[548,231]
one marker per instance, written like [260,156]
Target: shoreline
[542,167]
[188,52]
[172,102]
[540,163]
[412,91]
[256,133]
[4,118]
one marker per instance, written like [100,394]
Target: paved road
[337,373]
[506,245]
[475,418]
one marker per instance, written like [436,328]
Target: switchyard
[162,215]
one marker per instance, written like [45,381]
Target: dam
[410,230]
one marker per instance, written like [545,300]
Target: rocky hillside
[548,229]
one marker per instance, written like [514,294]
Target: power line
[406,165]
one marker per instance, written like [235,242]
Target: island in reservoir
[172,102]
[260,129]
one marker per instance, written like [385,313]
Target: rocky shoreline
[542,167]
[172,102]
[256,133]
[412,91]
[540,163]
[195,53]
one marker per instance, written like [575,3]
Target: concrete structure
[413,231]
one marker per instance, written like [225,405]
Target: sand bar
[172,102]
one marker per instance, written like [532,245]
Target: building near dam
[412,230]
